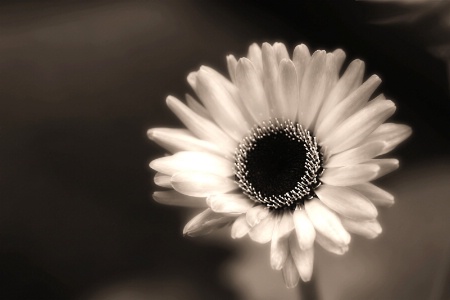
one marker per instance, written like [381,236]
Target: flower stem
[308,290]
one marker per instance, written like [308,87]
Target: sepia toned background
[82,81]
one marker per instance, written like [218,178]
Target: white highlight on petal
[174,198]
[347,202]
[350,175]
[191,161]
[289,90]
[303,258]
[229,203]
[290,273]
[326,222]
[392,134]
[201,127]
[387,165]
[201,184]
[221,105]
[356,155]
[262,232]
[162,180]
[304,229]
[375,194]
[357,127]
[252,91]
[175,140]
[205,222]
[240,227]
[369,229]
[347,107]
[256,214]
[330,246]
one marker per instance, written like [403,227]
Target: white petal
[345,85]
[162,180]
[240,227]
[301,60]
[290,273]
[330,246]
[279,248]
[312,88]
[303,259]
[339,55]
[280,51]
[197,107]
[231,64]
[252,91]
[356,155]
[221,105]
[229,203]
[375,194]
[256,214]
[392,134]
[255,55]
[270,76]
[387,165]
[357,127]
[347,202]
[176,140]
[369,229]
[201,127]
[205,222]
[347,107]
[350,175]
[326,222]
[304,229]
[177,199]
[201,184]
[222,80]
[289,90]
[191,161]
[262,232]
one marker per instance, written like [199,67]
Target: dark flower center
[278,164]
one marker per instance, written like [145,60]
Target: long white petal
[197,107]
[340,56]
[375,194]
[240,227]
[280,51]
[330,246]
[351,78]
[162,180]
[279,247]
[356,155]
[256,214]
[231,64]
[357,127]
[304,229]
[350,175]
[387,165]
[201,127]
[347,107]
[326,222]
[303,259]
[177,199]
[206,222]
[252,90]
[270,76]
[221,105]
[289,90]
[347,202]
[392,134]
[191,161]
[290,273]
[301,60]
[369,229]
[262,232]
[201,184]
[229,203]
[255,55]
[175,140]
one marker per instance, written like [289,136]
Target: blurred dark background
[81,82]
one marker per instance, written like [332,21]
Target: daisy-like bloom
[283,151]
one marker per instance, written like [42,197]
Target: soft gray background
[81,82]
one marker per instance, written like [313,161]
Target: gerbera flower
[283,151]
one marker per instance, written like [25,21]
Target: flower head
[283,152]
